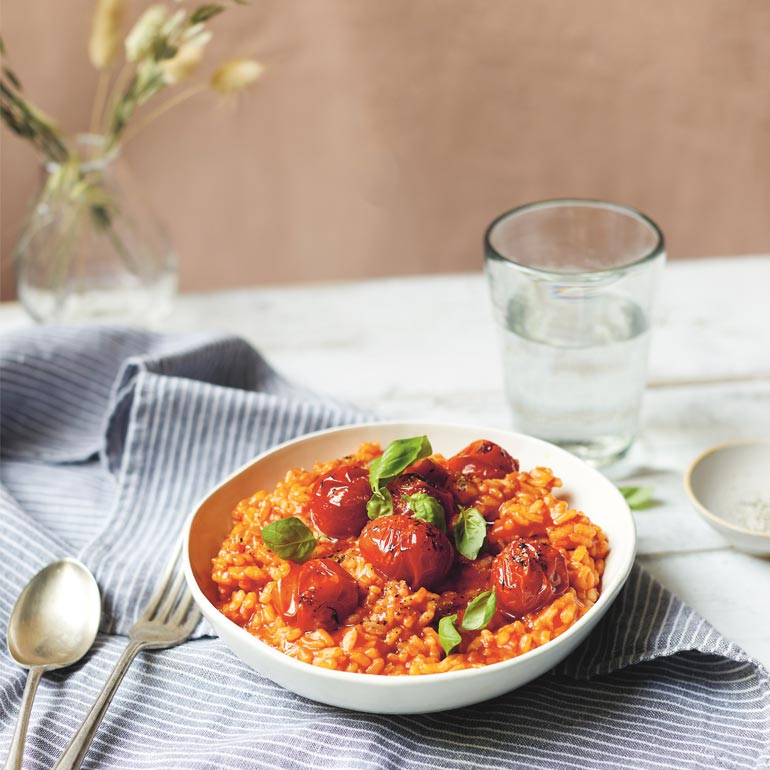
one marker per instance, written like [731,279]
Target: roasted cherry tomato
[527,575]
[338,502]
[412,484]
[317,594]
[404,548]
[555,568]
[430,470]
[483,459]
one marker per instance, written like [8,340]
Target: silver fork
[168,619]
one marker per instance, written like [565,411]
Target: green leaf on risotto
[469,532]
[638,497]
[423,506]
[380,504]
[479,611]
[289,538]
[448,635]
[396,458]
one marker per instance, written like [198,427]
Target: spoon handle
[20,733]
[77,748]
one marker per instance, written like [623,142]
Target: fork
[168,619]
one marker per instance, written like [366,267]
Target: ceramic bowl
[584,487]
[729,485]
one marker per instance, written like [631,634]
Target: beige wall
[387,133]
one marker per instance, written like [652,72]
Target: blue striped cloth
[109,436]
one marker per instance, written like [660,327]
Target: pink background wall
[387,133]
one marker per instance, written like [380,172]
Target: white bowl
[729,485]
[584,487]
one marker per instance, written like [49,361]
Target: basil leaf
[289,538]
[638,497]
[479,611]
[396,458]
[448,634]
[426,507]
[469,532]
[380,504]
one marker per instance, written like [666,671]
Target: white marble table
[427,348]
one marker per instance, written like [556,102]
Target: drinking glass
[572,283]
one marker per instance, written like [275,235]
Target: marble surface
[427,348]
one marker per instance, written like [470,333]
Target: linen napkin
[108,438]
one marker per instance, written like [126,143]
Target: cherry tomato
[338,501]
[404,548]
[483,459]
[412,484]
[430,470]
[555,568]
[317,594]
[527,575]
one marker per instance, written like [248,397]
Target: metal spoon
[52,625]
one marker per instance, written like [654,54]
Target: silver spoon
[52,625]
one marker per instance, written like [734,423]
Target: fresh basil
[289,538]
[469,532]
[396,458]
[479,611]
[638,497]
[423,506]
[448,635]
[380,504]
[477,615]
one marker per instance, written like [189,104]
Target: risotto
[404,561]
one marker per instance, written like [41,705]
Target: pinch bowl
[584,487]
[729,486]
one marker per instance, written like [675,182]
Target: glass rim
[658,249]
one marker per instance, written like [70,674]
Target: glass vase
[90,247]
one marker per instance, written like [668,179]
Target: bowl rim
[699,506]
[215,617]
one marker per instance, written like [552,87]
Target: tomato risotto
[403,561]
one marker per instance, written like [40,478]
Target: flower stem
[122,79]
[100,102]
[182,96]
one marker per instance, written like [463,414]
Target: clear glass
[91,248]
[572,283]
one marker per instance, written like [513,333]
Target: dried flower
[163,48]
[185,62]
[141,40]
[104,43]
[206,12]
[147,81]
[26,120]
[196,33]
[170,28]
[235,75]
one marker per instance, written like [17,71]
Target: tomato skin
[555,568]
[412,484]
[526,575]
[404,548]
[317,594]
[483,459]
[338,501]
[430,470]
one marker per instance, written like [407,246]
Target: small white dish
[586,488]
[729,485]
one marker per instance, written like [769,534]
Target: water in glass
[576,377]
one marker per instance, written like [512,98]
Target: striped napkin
[110,435]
